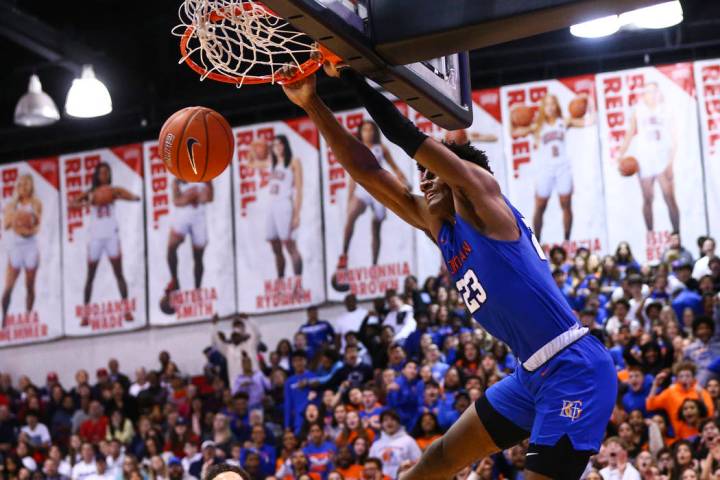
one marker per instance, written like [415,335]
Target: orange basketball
[521,116]
[578,107]
[23,219]
[628,166]
[102,195]
[196,144]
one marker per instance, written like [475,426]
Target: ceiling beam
[42,39]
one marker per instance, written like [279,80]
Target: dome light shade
[36,108]
[599,27]
[662,15]
[88,97]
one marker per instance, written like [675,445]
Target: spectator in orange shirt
[345,466]
[691,413]
[373,470]
[672,398]
[426,430]
[94,429]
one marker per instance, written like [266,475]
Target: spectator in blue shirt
[265,452]
[403,394]
[320,453]
[297,389]
[319,333]
[639,385]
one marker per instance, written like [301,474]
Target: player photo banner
[278,223]
[651,158]
[553,163]
[484,134]
[368,248]
[30,252]
[189,233]
[707,78]
[103,240]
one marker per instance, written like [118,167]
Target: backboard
[438,88]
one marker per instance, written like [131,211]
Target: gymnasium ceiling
[130,45]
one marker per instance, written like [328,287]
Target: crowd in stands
[356,397]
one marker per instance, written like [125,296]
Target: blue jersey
[506,285]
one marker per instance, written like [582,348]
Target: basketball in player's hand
[23,220]
[102,195]
[628,166]
[578,106]
[521,116]
[196,144]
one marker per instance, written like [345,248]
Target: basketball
[578,107]
[102,195]
[23,219]
[521,116]
[196,144]
[628,166]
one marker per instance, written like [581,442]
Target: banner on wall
[484,134]
[648,120]
[707,78]
[189,234]
[553,160]
[278,223]
[30,252]
[103,240]
[368,249]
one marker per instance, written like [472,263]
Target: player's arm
[8,215]
[478,187]
[298,187]
[356,158]
[631,131]
[38,211]
[179,198]
[121,193]
[483,137]
[391,161]
[80,201]
[517,132]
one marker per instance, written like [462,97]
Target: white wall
[140,348]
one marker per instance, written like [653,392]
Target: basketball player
[655,148]
[104,236]
[22,217]
[359,199]
[286,195]
[553,166]
[563,393]
[188,218]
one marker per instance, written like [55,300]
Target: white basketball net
[241,39]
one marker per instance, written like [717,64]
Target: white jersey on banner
[189,231]
[103,239]
[650,114]
[278,223]
[30,252]
[707,79]
[553,161]
[368,249]
[484,134]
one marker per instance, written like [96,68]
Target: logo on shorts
[571,409]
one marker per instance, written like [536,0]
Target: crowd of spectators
[356,397]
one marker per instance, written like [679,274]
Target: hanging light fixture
[36,108]
[88,97]
[599,27]
[662,15]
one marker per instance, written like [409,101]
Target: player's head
[225,471]
[102,175]
[549,108]
[24,188]
[651,93]
[436,191]
[281,150]
[368,133]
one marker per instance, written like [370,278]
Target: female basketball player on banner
[22,217]
[104,236]
[286,186]
[188,218]
[359,199]
[554,170]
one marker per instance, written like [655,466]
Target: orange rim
[304,70]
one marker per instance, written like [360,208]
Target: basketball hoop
[243,42]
